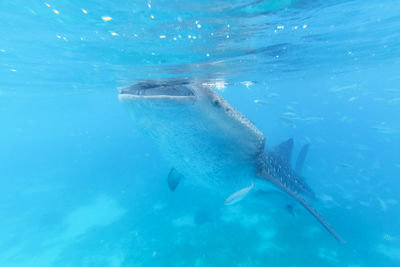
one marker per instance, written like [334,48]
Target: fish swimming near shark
[211,144]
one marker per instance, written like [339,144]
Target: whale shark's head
[183,95]
[159,93]
[177,94]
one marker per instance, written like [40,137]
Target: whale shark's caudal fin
[174,177]
[284,150]
[307,206]
[300,159]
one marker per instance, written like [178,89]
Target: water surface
[81,186]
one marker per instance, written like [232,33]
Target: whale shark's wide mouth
[158,89]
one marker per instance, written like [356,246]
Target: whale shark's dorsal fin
[174,177]
[284,150]
[300,159]
[305,204]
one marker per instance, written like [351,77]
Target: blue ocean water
[80,185]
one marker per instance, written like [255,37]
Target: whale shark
[209,143]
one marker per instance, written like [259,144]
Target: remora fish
[208,142]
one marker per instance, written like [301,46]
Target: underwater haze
[81,185]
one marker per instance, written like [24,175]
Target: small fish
[259,101]
[383,129]
[238,195]
[345,165]
[351,99]
[289,114]
[339,89]
[312,119]
[325,197]
[382,204]
[290,108]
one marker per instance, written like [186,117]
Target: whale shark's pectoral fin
[174,177]
[307,206]
[300,159]
[238,195]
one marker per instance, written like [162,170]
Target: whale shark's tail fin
[307,206]
[300,159]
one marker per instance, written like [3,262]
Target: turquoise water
[81,186]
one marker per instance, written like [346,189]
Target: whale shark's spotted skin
[277,164]
[208,141]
